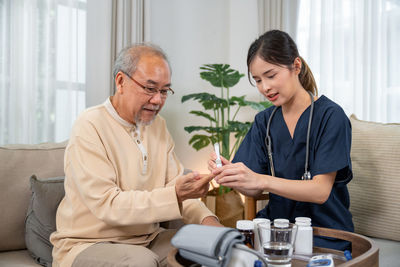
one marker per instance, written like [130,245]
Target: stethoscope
[268,143]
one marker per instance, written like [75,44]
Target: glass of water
[279,250]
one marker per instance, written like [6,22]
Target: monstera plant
[221,112]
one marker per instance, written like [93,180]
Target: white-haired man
[122,175]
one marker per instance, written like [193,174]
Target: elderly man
[122,175]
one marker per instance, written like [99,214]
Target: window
[352,49]
[42,69]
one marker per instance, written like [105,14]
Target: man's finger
[191,176]
[205,179]
[212,164]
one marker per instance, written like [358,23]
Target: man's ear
[297,65]
[119,83]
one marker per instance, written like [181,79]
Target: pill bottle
[281,223]
[304,238]
[281,231]
[257,235]
[246,228]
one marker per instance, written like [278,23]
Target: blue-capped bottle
[258,263]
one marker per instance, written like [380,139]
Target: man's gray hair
[129,57]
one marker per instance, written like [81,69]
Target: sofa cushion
[17,164]
[17,258]
[374,190]
[41,217]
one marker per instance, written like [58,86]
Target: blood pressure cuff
[207,245]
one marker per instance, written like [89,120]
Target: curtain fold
[278,14]
[128,27]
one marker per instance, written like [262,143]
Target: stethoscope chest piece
[306,176]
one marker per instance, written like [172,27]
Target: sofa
[27,217]
[375,188]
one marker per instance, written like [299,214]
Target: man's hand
[211,221]
[192,185]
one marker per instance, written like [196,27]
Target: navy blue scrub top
[330,142]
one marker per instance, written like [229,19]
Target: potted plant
[221,112]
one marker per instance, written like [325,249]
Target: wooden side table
[364,251]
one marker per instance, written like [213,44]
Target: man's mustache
[152,107]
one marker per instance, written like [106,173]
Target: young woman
[308,164]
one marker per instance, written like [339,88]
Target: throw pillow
[41,217]
[17,164]
[374,190]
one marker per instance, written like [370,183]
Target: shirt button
[145,157]
[138,141]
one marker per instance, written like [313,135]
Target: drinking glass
[264,233]
[279,249]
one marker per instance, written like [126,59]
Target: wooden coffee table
[364,251]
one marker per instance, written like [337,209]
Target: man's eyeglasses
[152,91]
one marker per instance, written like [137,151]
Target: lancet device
[218,160]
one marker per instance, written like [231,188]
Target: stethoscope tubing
[268,142]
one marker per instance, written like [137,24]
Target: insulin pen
[218,160]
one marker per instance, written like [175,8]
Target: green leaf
[220,75]
[266,104]
[239,127]
[199,141]
[214,139]
[255,105]
[208,129]
[209,101]
[238,100]
[259,106]
[202,114]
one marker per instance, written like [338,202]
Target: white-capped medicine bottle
[304,238]
[257,234]
[246,228]
[281,231]
[281,223]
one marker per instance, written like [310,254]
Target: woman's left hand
[240,177]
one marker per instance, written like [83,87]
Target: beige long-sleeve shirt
[119,184]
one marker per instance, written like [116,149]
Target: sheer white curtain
[42,68]
[352,47]
[278,14]
[128,27]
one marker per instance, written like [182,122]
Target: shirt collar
[110,108]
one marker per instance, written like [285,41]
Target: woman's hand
[240,178]
[211,162]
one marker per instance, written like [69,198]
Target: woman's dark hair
[277,47]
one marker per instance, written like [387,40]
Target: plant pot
[228,207]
